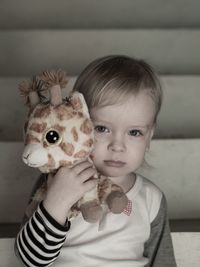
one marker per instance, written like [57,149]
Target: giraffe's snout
[35,155]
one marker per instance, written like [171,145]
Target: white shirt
[118,240]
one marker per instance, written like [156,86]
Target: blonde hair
[111,79]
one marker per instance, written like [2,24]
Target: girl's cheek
[100,138]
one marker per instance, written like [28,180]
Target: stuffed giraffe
[58,132]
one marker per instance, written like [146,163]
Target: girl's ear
[150,137]
[152,131]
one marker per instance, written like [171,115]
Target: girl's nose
[116,145]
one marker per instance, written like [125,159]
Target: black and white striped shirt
[40,240]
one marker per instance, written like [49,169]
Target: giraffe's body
[60,133]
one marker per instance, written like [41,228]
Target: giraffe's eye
[52,137]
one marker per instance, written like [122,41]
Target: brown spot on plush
[86,127]
[51,161]
[63,113]
[80,114]
[65,163]
[45,144]
[89,142]
[59,128]
[104,188]
[75,134]
[38,127]
[42,112]
[31,139]
[67,148]
[81,154]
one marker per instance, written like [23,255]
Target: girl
[124,98]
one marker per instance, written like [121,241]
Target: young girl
[124,98]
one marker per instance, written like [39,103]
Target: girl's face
[122,135]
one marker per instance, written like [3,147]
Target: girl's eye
[100,129]
[135,133]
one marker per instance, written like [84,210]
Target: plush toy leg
[91,211]
[117,201]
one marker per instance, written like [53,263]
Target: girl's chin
[112,173]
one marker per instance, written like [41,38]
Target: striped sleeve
[40,240]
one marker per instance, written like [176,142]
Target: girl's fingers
[87,174]
[90,184]
[80,167]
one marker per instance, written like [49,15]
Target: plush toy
[59,132]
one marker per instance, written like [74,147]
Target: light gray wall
[104,14]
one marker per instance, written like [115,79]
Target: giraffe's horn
[54,81]
[56,95]
[33,94]
[34,98]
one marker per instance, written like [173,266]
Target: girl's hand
[66,187]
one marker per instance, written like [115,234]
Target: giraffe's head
[59,131]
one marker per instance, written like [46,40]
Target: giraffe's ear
[78,103]
[29,92]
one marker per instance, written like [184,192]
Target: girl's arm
[159,248]
[40,240]
[42,235]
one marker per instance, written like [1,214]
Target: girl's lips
[113,163]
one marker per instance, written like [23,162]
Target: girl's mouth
[113,163]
